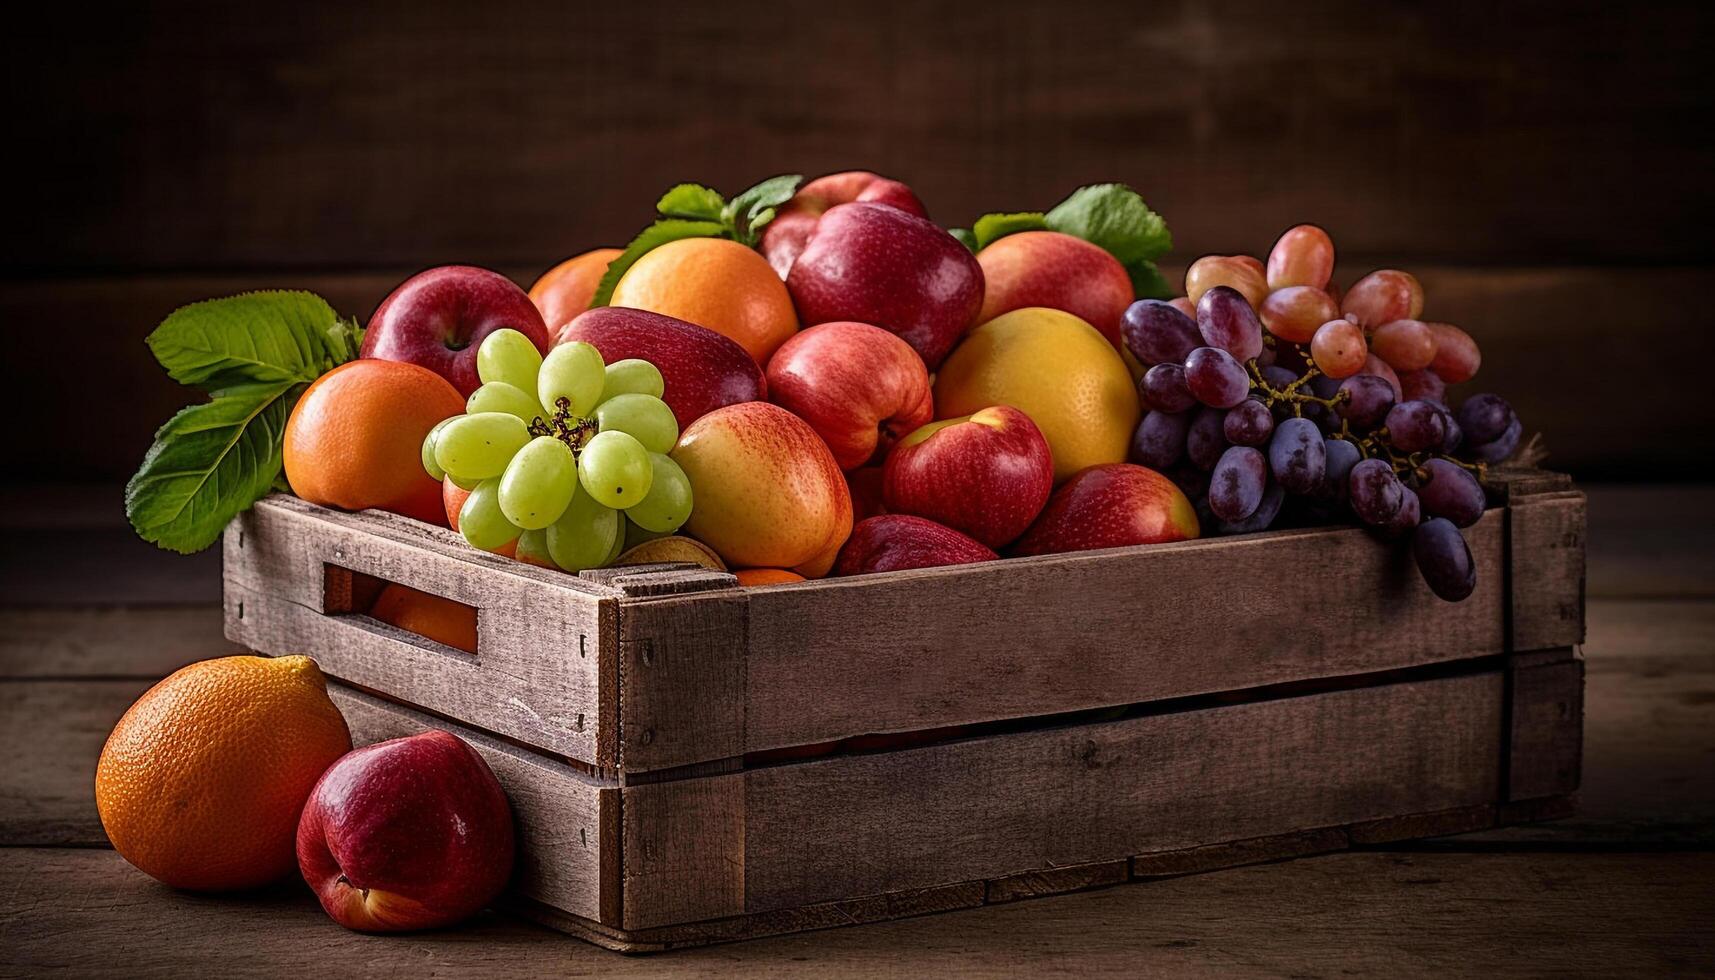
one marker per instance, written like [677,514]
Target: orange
[566,290]
[714,283]
[1055,368]
[442,620]
[751,577]
[355,438]
[201,783]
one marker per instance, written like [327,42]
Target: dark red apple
[1110,506]
[865,486]
[1059,271]
[874,263]
[894,542]
[701,369]
[986,474]
[438,318]
[783,240]
[859,387]
[413,833]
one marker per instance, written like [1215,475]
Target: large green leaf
[271,337]
[1114,217]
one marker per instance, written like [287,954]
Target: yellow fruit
[1055,368]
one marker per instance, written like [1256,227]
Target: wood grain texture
[1055,881]
[107,640]
[836,658]
[536,675]
[684,857]
[560,812]
[56,730]
[682,679]
[1546,536]
[1230,854]
[1015,803]
[1546,741]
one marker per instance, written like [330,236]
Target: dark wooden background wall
[1545,167]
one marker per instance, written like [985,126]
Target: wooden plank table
[1626,887]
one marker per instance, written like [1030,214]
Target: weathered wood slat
[1546,738]
[1545,545]
[684,852]
[681,685]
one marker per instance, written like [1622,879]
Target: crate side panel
[560,814]
[1547,535]
[1011,804]
[681,681]
[683,851]
[537,673]
[1547,737]
[1031,637]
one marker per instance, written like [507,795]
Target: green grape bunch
[561,454]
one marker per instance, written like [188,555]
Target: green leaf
[692,202]
[208,463]
[272,337]
[965,237]
[658,234]
[1114,217]
[754,208]
[1147,282]
[990,227]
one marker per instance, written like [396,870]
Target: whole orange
[714,283]
[566,290]
[442,620]
[355,438]
[201,782]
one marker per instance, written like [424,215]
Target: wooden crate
[693,762]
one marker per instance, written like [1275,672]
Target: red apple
[783,240]
[875,263]
[413,833]
[701,369]
[438,318]
[1110,506]
[858,386]
[1061,272]
[986,474]
[894,542]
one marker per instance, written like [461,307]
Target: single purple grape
[1157,333]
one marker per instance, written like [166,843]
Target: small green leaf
[1114,217]
[208,463]
[990,227]
[692,202]
[270,337]
[658,234]
[1147,282]
[965,237]
[754,208]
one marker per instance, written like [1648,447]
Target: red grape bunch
[1275,399]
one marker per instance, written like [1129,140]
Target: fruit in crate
[566,290]
[784,238]
[769,492]
[1056,369]
[874,263]
[700,369]
[860,387]
[446,622]
[1110,506]
[565,448]
[714,283]
[439,318]
[353,440]
[201,782]
[896,542]
[412,833]
[1056,270]
[987,474]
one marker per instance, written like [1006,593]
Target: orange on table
[355,438]
[453,497]
[751,577]
[442,620]
[566,290]
[201,783]
[715,283]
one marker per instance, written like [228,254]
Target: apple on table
[987,474]
[439,317]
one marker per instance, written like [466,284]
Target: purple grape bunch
[1258,437]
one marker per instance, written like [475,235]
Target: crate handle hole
[421,618]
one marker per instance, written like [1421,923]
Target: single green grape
[502,396]
[481,521]
[429,465]
[614,468]
[508,356]
[574,372]
[538,483]
[667,506]
[476,447]
[584,535]
[533,548]
[643,416]
[633,376]
[618,545]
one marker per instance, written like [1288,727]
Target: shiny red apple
[412,833]
[860,387]
[701,370]
[987,474]
[875,263]
[1110,506]
[783,240]
[894,542]
[1059,271]
[438,318]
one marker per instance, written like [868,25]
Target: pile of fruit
[817,379]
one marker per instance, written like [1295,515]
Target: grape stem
[573,430]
